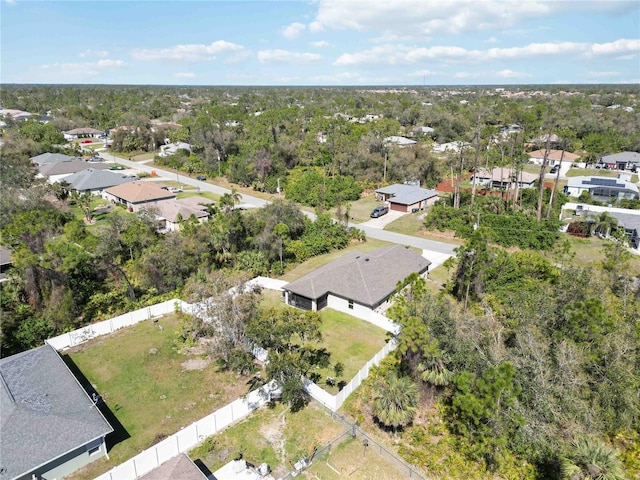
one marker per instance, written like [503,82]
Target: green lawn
[351,341]
[275,435]
[151,395]
[360,210]
[413,224]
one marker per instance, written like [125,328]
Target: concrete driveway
[382,221]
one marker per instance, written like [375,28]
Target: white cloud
[406,18]
[293,30]
[189,52]
[391,54]
[491,40]
[320,44]
[424,73]
[417,18]
[184,75]
[284,56]
[85,69]
[94,53]
[511,74]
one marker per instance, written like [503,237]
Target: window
[94,451]
[351,304]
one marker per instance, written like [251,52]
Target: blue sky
[320,42]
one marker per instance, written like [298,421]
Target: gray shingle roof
[95,179]
[366,278]
[44,412]
[67,166]
[51,158]
[407,194]
[628,157]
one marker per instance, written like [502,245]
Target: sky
[320,42]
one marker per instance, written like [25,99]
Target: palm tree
[434,370]
[395,401]
[592,460]
[235,197]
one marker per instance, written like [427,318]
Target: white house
[172,148]
[83,133]
[604,189]
[456,147]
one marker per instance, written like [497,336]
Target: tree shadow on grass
[119,433]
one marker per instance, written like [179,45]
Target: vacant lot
[150,388]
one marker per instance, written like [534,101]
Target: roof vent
[358,257]
[366,259]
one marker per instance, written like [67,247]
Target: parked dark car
[554,169]
[202,178]
[379,211]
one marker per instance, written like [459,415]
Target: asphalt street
[435,251]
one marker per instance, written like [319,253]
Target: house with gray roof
[407,198]
[50,426]
[85,132]
[621,161]
[356,281]
[6,262]
[95,180]
[171,213]
[604,189]
[631,224]
[46,158]
[54,172]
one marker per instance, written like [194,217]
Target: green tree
[589,459]
[395,401]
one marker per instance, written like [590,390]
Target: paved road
[441,251]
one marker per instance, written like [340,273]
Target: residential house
[423,130]
[503,178]
[179,467]
[631,224]
[455,147]
[172,148]
[601,188]
[170,213]
[50,425]
[95,180]
[14,114]
[511,129]
[399,141]
[46,158]
[407,198]
[356,281]
[86,132]
[137,195]
[554,157]
[621,161]
[54,172]
[5,263]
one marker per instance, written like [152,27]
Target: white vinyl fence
[189,437]
[81,335]
[334,402]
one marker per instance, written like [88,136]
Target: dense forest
[520,367]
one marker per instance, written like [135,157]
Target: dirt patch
[202,348]
[196,364]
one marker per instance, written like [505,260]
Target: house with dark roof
[407,198]
[178,468]
[621,161]
[604,189]
[95,180]
[137,195]
[50,426]
[356,281]
[631,224]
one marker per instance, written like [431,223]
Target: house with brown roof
[137,195]
[554,157]
[504,177]
[171,213]
[357,281]
[179,467]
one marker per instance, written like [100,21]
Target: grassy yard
[350,341]
[351,459]
[275,435]
[151,390]
[360,210]
[413,224]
